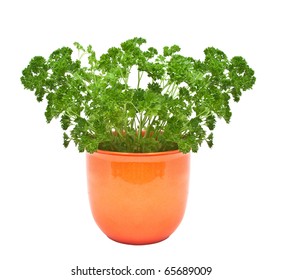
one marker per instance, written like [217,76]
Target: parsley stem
[139,79]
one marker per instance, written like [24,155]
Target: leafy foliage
[99,109]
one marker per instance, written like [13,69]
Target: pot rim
[137,154]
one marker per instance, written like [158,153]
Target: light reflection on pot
[138,172]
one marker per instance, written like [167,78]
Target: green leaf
[79,46]
[174,104]
[66,140]
[168,51]
[65,121]
[211,121]
[209,140]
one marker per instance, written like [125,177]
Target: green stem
[172,89]
[140,127]
[81,55]
[167,84]
[149,127]
[204,114]
[139,79]
[127,77]
[125,118]
[168,91]
[123,78]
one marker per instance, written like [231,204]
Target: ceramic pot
[138,198]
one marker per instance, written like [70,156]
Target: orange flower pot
[138,198]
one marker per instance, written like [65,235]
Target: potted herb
[138,114]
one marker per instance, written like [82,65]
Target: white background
[233,217]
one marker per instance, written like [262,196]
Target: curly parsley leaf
[99,108]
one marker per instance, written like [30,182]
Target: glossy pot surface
[138,198]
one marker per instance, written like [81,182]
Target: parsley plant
[99,108]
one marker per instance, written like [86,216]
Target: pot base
[140,243]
